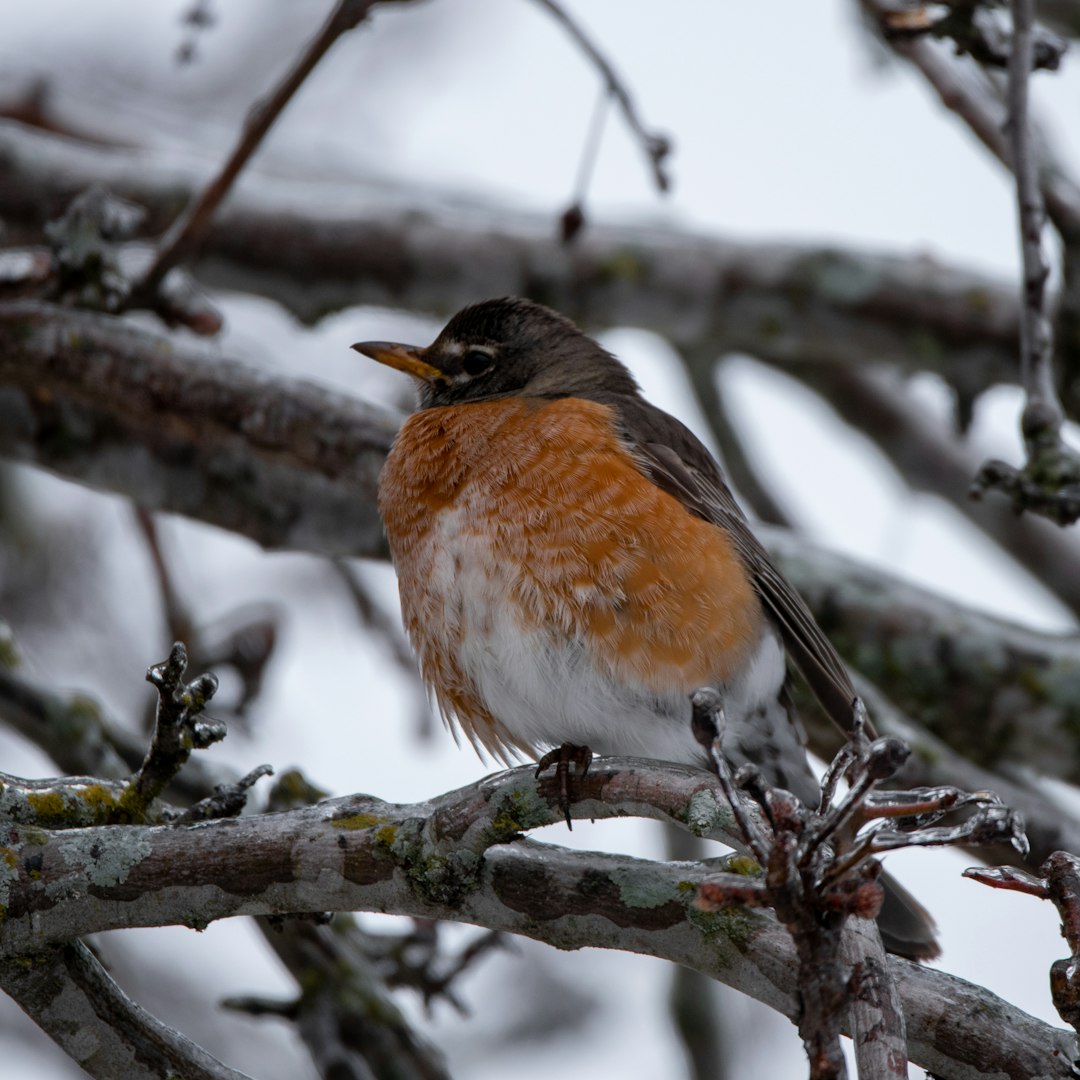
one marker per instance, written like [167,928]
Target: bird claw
[562,757]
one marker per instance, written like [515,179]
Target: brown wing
[673,458]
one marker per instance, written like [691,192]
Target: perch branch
[460,857]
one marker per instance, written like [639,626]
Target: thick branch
[114,406]
[780,302]
[997,692]
[291,465]
[433,859]
[71,997]
[931,460]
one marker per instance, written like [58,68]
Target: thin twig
[178,727]
[657,147]
[187,231]
[1036,335]
[1049,481]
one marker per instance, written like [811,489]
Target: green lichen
[105,860]
[99,800]
[730,924]
[386,835]
[9,873]
[444,879]
[704,814]
[978,300]
[9,654]
[639,889]
[49,807]
[357,821]
[770,327]
[517,812]
[744,865]
[439,877]
[625,265]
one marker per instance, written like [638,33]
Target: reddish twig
[820,870]
[187,232]
[1059,883]
[657,147]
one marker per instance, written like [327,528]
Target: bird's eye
[476,363]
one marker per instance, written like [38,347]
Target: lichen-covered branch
[931,459]
[115,406]
[74,731]
[997,692]
[70,996]
[781,302]
[460,857]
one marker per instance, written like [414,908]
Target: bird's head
[504,347]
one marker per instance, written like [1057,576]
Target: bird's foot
[562,758]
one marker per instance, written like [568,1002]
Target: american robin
[572,565]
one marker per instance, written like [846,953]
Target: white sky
[787,125]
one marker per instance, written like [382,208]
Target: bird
[572,566]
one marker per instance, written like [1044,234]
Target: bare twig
[188,230]
[1049,482]
[228,800]
[819,871]
[177,727]
[177,617]
[1043,410]
[656,147]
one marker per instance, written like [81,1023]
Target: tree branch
[781,302]
[875,403]
[458,857]
[69,995]
[187,232]
[997,692]
[656,147]
[1049,481]
[287,464]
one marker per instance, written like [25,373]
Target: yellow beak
[402,357]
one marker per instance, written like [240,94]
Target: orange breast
[539,506]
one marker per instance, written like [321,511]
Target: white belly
[546,686]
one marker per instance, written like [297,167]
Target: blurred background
[794,127]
